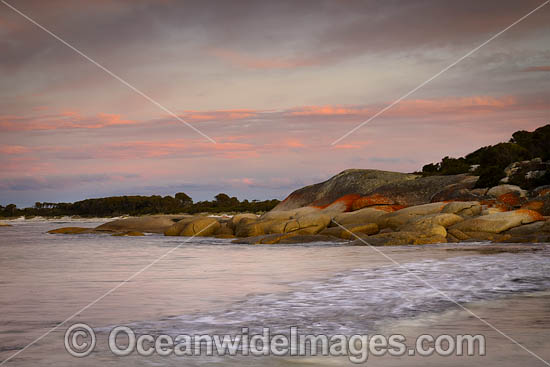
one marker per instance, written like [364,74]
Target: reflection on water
[211,286]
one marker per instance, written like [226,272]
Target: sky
[273,83]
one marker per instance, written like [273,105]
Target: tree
[222,198]
[11,209]
[183,199]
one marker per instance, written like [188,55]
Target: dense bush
[493,159]
[139,205]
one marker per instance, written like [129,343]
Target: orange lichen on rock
[535,216]
[533,205]
[489,203]
[346,200]
[502,207]
[366,201]
[510,198]
[544,192]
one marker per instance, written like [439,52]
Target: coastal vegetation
[139,205]
[490,162]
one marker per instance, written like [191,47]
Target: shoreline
[224,275]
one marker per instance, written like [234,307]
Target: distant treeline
[139,205]
[489,162]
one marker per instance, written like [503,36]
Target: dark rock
[359,182]
[151,224]
[424,189]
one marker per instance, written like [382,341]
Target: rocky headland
[370,207]
[499,193]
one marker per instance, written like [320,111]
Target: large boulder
[225,230]
[362,216]
[400,217]
[246,228]
[149,224]
[461,191]
[527,174]
[498,222]
[308,224]
[505,189]
[289,214]
[536,232]
[238,217]
[359,182]
[422,190]
[432,224]
[129,234]
[531,229]
[72,230]
[202,227]
[463,208]
[176,228]
[540,202]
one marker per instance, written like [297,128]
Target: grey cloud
[325,30]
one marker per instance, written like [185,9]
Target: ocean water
[210,286]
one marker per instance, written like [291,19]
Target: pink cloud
[537,68]
[347,146]
[328,111]
[63,120]
[464,105]
[235,114]
[13,149]
[293,143]
[425,107]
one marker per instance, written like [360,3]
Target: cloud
[50,182]
[63,120]
[456,106]
[219,115]
[537,68]
[328,111]
[256,62]
[13,149]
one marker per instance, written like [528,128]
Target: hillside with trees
[489,162]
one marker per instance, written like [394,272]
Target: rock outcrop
[382,208]
[202,227]
[500,190]
[148,224]
[499,222]
[357,182]
[72,230]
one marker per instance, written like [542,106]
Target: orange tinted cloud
[537,68]
[293,143]
[62,120]
[469,105]
[235,114]
[423,107]
[175,148]
[13,149]
[328,111]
